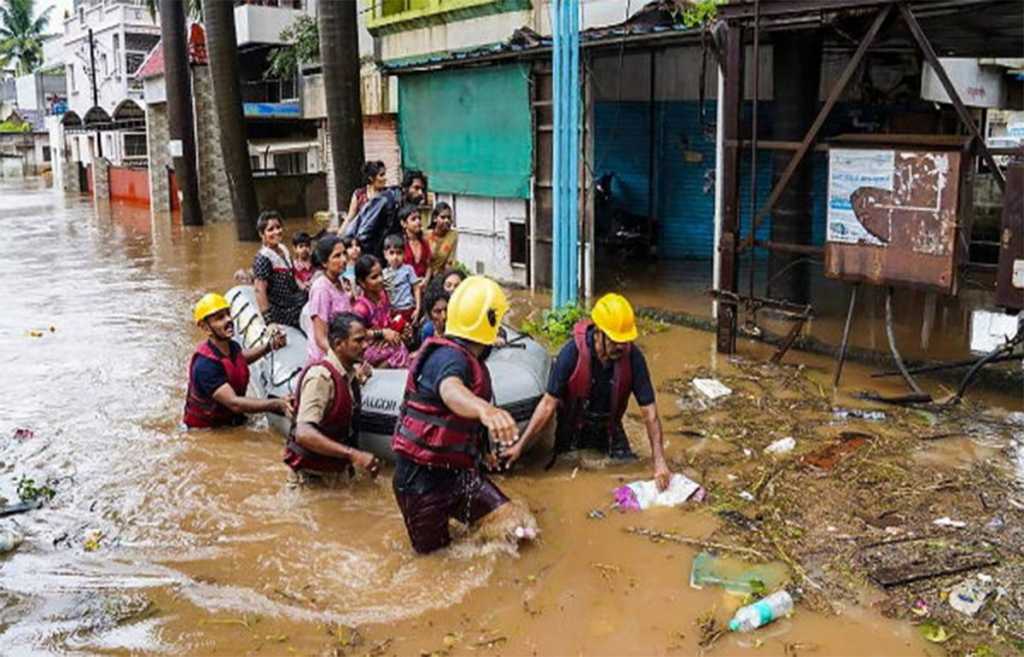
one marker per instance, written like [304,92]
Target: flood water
[202,548]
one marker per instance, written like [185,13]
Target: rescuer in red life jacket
[325,439]
[218,373]
[441,434]
[589,388]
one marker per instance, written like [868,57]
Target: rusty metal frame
[730,246]
[940,71]
[812,133]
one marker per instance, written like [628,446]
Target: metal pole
[846,338]
[572,250]
[556,166]
[753,145]
[95,89]
[716,257]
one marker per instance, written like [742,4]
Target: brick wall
[380,142]
[157,138]
[214,193]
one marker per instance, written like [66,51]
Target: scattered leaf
[92,541]
[934,632]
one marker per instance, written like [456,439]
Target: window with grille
[135,145]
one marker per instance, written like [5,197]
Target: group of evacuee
[449,433]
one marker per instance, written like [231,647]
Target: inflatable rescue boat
[519,373]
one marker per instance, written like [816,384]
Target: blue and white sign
[849,170]
[273,110]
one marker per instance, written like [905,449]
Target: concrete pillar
[100,180]
[214,192]
[157,139]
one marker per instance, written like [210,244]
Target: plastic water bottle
[9,540]
[762,612]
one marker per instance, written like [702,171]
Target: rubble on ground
[855,507]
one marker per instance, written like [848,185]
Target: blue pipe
[566,145]
[556,178]
[574,152]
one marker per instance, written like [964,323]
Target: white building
[116,35]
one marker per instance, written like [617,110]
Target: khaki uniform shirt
[317,393]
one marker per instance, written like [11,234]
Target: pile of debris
[843,496]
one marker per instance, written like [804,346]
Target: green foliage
[21,35]
[462,269]
[556,325]
[28,491]
[303,41]
[700,12]
[14,126]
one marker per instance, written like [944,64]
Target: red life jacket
[572,415]
[340,424]
[205,412]
[428,432]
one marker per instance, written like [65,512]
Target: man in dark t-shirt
[589,387]
[446,415]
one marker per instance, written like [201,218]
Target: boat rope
[240,311]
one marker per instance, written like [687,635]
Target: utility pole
[181,125]
[95,89]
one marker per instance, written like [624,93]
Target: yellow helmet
[614,316]
[209,304]
[475,310]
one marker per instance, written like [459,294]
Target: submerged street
[159,541]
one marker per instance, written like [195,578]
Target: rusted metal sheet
[911,225]
[1011,243]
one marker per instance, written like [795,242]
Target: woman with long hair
[385,346]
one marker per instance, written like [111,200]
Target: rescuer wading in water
[324,440]
[441,436]
[218,373]
[589,388]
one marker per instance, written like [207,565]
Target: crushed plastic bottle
[762,612]
[9,540]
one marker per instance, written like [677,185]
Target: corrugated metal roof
[656,20]
[153,65]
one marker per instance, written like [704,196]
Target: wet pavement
[165,542]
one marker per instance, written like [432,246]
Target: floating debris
[946,521]
[712,389]
[781,446]
[969,596]
[858,414]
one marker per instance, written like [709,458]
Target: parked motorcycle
[625,232]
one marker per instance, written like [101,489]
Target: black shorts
[464,495]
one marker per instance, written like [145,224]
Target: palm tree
[339,54]
[179,106]
[222,50]
[21,35]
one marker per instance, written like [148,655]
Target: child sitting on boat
[303,263]
[403,285]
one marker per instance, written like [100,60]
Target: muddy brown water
[202,549]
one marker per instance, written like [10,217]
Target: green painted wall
[469,130]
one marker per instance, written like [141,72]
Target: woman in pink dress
[385,347]
[328,295]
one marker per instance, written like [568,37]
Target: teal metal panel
[469,130]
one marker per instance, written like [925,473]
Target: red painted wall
[130,185]
[175,199]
